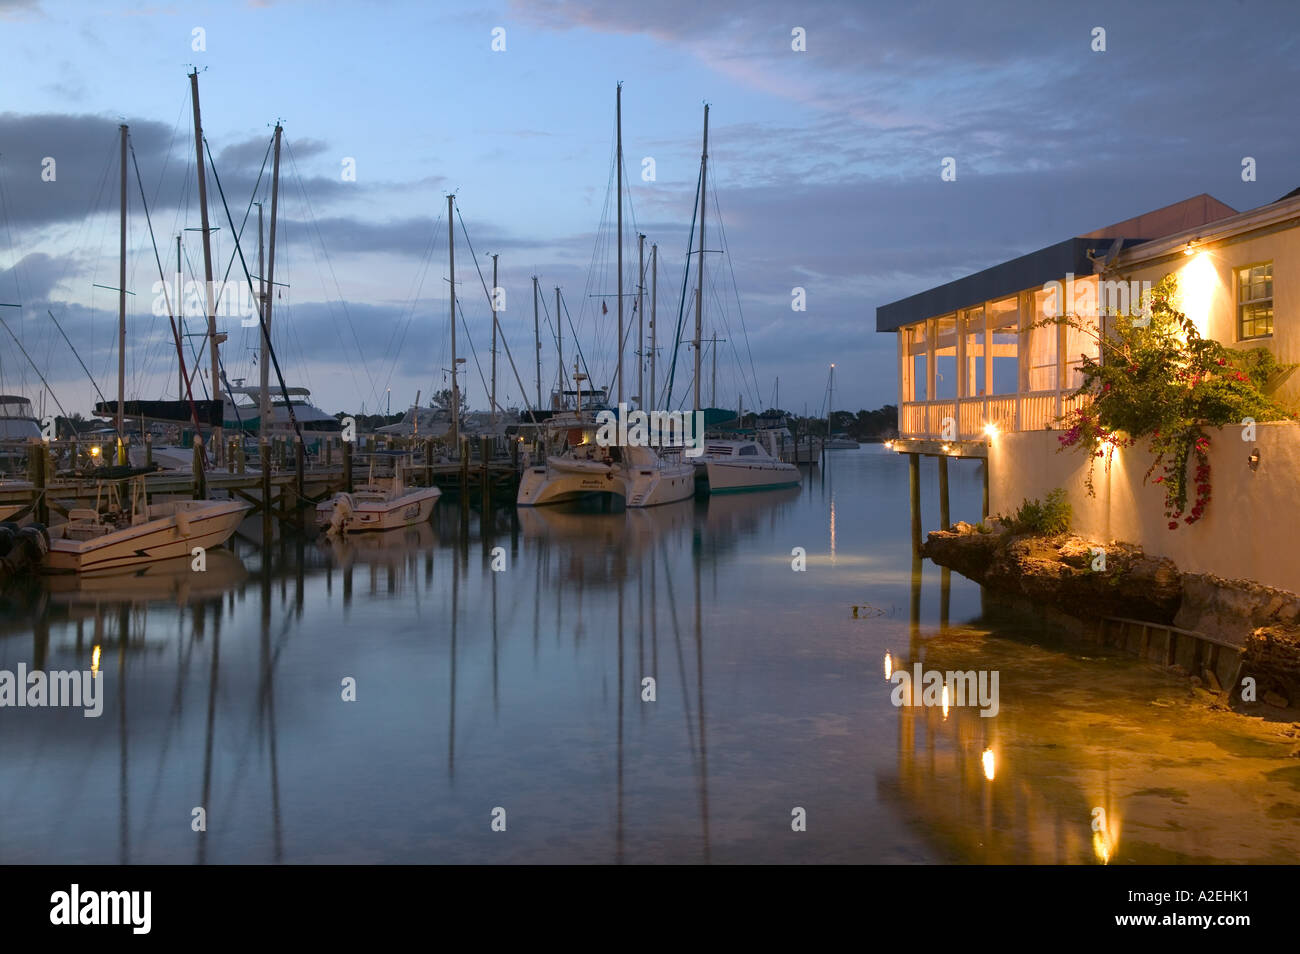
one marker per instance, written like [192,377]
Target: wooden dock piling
[914,498]
[944,516]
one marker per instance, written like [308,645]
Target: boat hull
[209,524]
[730,477]
[540,486]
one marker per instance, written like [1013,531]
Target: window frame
[1240,304]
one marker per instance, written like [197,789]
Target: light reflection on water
[523,689]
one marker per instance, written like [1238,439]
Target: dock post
[200,474]
[944,517]
[300,482]
[264,450]
[984,507]
[428,462]
[36,471]
[347,466]
[464,470]
[914,498]
[329,451]
[148,449]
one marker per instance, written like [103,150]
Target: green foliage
[1159,380]
[1049,518]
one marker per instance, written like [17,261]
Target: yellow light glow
[944,448]
[1101,846]
[945,702]
[94,660]
[991,431]
[989,764]
[94,452]
[889,666]
[1198,281]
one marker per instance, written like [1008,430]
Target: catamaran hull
[160,539]
[540,486]
[407,510]
[660,485]
[728,477]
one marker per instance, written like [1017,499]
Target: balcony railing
[1028,411]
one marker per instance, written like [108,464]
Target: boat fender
[183,522]
[35,540]
[43,531]
[7,538]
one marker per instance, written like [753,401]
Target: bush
[1048,518]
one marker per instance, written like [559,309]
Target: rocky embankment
[1064,572]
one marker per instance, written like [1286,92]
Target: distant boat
[18,425]
[247,416]
[740,465]
[841,442]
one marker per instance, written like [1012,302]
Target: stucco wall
[1251,529]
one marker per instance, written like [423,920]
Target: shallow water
[522,690]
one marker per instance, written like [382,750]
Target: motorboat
[377,506]
[95,539]
[739,465]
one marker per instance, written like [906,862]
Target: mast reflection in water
[629,686]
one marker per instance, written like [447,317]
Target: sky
[824,175]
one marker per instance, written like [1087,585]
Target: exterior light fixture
[989,764]
[990,431]
[1253,460]
[1191,247]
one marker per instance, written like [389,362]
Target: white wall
[1251,528]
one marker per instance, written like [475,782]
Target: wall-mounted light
[1191,247]
[1253,460]
[991,431]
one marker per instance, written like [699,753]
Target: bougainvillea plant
[1157,379]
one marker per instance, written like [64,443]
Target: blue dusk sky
[824,166]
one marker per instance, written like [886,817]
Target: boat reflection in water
[654,686]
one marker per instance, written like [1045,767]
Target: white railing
[1029,411]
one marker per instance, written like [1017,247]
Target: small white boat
[377,508]
[841,442]
[92,540]
[738,465]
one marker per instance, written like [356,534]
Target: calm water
[522,690]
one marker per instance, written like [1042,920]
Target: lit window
[1255,301]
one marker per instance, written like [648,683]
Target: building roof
[1051,263]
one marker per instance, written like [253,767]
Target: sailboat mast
[121,313]
[618,113]
[654,310]
[495,286]
[214,360]
[263,368]
[451,263]
[559,342]
[699,293]
[180,317]
[269,292]
[713,391]
[640,321]
[537,346]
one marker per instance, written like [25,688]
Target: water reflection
[630,686]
